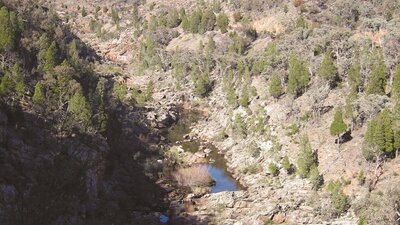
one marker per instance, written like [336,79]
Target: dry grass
[197,175]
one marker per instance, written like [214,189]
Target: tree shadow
[77,177]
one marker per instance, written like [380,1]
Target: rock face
[49,177]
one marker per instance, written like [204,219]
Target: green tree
[80,109]
[338,198]
[83,12]
[377,80]
[207,21]
[396,86]
[114,16]
[173,18]
[381,138]
[73,53]
[38,96]
[7,31]
[185,24]
[275,86]
[195,20]
[306,159]
[338,126]
[299,76]
[355,77]
[301,22]
[328,70]
[273,169]
[50,58]
[315,177]
[286,164]
[244,100]
[223,22]
[18,79]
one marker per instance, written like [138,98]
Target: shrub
[193,176]
[361,177]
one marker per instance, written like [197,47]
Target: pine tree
[396,86]
[173,18]
[286,164]
[185,24]
[315,177]
[223,22]
[80,109]
[50,58]
[388,130]
[328,69]
[299,76]
[355,77]
[74,53]
[195,20]
[377,80]
[7,31]
[338,126]
[275,86]
[38,96]
[244,100]
[305,160]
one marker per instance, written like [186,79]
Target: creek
[216,162]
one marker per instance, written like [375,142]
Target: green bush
[361,177]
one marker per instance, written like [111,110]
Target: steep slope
[219,57]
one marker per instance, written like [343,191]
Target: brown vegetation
[197,175]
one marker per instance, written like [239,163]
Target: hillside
[300,97]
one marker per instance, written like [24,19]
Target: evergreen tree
[195,21]
[286,164]
[18,79]
[301,22]
[114,16]
[355,77]
[338,126]
[388,130]
[38,96]
[305,160]
[7,31]
[50,58]
[328,69]
[83,12]
[80,109]
[173,18]
[315,177]
[377,80]
[74,53]
[244,100]
[275,86]
[396,86]
[299,76]
[207,21]
[381,137]
[223,22]
[185,24]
